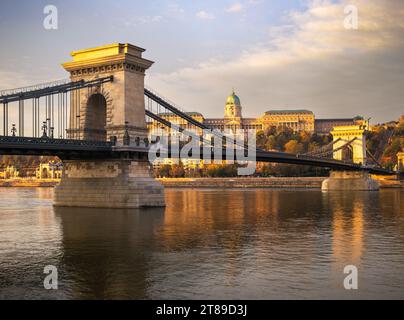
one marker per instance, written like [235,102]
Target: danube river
[215,244]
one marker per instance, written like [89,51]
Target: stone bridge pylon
[113,111]
[350,145]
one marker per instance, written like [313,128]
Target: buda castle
[297,120]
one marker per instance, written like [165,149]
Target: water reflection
[284,240]
[106,252]
[225,244]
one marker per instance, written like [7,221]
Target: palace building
[297,120]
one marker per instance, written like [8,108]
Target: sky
[276,54]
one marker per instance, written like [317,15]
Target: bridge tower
[113,111]
[350,145]
[355,135]
[109,110]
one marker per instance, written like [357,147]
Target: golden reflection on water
[228,243]
[347,227]
[190,213]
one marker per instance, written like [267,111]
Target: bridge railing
[49,110]
[18,91]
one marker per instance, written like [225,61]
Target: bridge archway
[347,153]
[44,173]
[95,120]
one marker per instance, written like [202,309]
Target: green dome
[233,99]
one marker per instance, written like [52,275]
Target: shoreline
[220,183]
[28,183]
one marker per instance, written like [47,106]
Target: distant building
[49,171]
[325,126]
[297,120]
[10,172]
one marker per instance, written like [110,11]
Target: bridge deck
[83,149]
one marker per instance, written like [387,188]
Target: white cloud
[11,80]
[236,7]
[174,9]
[205,15]
[310,62]
[142,20]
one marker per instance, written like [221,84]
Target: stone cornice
[88,71]
[347,133]
[105,62]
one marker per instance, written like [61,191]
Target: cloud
[239,7]
[11,80]
[174,9]
[205,15]
[310,62]
[236,7]
[141,20]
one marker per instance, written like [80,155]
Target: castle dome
[233,99]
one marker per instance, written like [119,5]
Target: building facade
[233,120]
[325,126]
[49,170]
[10,172]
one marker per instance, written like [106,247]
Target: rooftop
[169,114]
[107,51]
[106,55]
[334,119]
[286,111]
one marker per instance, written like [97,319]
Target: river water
[213,244]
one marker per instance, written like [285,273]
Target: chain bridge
[96,123]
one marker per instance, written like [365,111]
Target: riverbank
[389,182]
[273,182]
[255,182]
[244,182]
[222,183]
[28,183]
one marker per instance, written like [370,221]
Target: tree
[177,170]
[261,138]
[164,171]
[271,143]
[293,146]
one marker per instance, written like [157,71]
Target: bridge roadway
[67,149]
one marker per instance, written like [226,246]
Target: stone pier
[108,184]
[350,181]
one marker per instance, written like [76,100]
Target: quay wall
[246,182]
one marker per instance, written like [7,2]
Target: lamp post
[13,130]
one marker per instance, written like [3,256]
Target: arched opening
[96,118]
[44,173]
[347,154]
